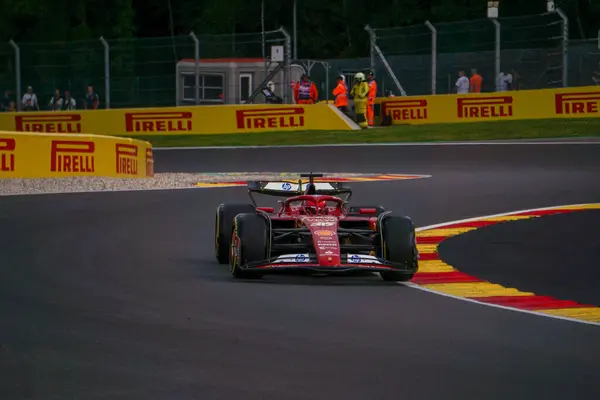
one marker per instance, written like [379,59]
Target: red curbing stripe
[545,212]
[529,302]
[427,278]
[431,239]
[429,256]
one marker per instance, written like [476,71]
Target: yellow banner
[579,102]
[180,120]
[25,155]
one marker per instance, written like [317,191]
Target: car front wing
[348,262]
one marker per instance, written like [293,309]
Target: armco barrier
[181,120]
[580,102]
[33,155]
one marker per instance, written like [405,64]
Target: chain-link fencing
[133,72]
[426,58]
[419,59]
[8,77]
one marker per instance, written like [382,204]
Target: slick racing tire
[355,210]
[249,243]
[399,246]
[223,225]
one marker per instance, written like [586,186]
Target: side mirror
[367,211]
[266,209]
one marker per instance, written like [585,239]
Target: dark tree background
[326,28]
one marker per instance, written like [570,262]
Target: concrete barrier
[196,120]
[34,155]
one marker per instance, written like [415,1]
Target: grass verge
[526,129]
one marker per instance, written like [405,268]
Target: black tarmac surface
[118,295]
[557,255]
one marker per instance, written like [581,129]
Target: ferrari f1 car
[314,229]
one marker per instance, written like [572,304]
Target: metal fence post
[287,64]
[498,50]
[106,70]
[196,66]
[433,56]
[295,11]
[565,49]
[17,73]
[372,43]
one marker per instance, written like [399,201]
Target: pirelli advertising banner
[25,155]
[180,120]
[579,102]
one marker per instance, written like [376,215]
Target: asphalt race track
[570,271]
[118,295]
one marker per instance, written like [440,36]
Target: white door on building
[245,87]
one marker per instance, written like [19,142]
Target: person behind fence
[92,100]
[305,91]
[504,82]
[462,83]
[29,102]
[476,81]
[516,80]
[5,101]
[340,94]
[269,93]
[360,93]
[69,102]
[56,102]
[371,98]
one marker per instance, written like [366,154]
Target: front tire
[249,243]
[399,245]
[223,225]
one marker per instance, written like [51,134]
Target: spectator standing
[504,82]
[596,75]
[92,100]
[5,101]
[56,102]
[462,84]
[516,80]
[475,82]
[69,102]
[30,100]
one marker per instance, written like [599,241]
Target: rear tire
[249,243]
[223,226]
[399,246]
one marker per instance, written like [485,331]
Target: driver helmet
[315,207]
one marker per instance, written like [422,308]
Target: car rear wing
[290,189]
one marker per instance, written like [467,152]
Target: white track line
[418,287]
[473,143]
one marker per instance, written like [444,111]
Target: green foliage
[60,44]
[326,29]
[498,130]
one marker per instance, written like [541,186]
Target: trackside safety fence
[425,59]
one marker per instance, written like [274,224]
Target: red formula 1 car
[314,229]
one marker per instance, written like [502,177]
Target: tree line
[326,28]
